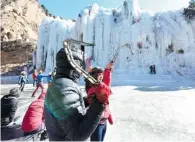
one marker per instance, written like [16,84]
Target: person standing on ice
[33,120]
[22,81]
[102,76]
[39,79]
[34,75]
[66,117]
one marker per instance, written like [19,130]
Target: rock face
[20,19]
[19,32]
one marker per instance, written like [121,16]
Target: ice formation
[52,32]
[165,39]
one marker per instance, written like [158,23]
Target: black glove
[44,135]
[86,101]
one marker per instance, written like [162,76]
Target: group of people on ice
[37,80]
[63,109]
[32,121]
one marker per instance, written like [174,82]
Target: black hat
[63,66]
[14,92]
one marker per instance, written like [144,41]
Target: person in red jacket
[105,77]
[34,117]
[34,75]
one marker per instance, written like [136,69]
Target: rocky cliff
[19,32]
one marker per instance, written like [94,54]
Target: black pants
[11,132]
[99,133]
[34,82]
[22,84]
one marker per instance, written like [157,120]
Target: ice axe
[67,45]
[117,52]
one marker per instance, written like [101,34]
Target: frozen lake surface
[143,112]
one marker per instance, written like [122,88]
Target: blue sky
[69,9]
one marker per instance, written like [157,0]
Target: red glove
[102,93]
[110,119]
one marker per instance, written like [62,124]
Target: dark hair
[94,73]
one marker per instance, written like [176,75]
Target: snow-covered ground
[144,111]
[153,113]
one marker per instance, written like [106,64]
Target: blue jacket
[23,78]
[40,77]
